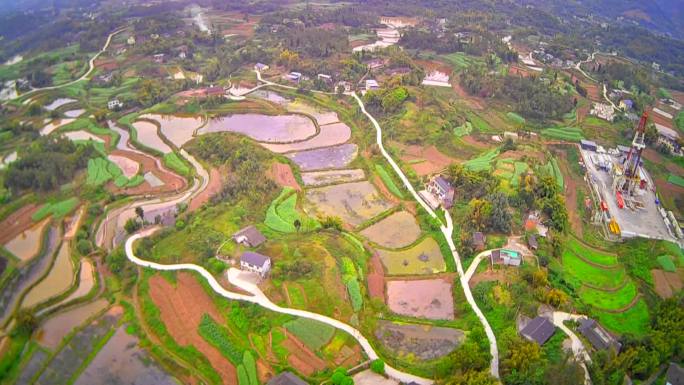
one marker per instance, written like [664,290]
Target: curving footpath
[91,67]
[259,298]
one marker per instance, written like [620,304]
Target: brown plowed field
[666,283]
[17,222]
[301,357]
[433,160]
[214,186]
[281,173]
[172,182]
[376,279]
[657,118]
[181,309]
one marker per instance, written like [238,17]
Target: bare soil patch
[214,186]
[667,283]
[487,276]
[427,298]
[376,278]
[281,173]
[424,160]
[181,309]
[17,222]
[301,357]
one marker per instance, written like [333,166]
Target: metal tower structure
[630,178]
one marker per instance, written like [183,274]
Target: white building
[114,104]
[256,263]
[603,111]
[372,84]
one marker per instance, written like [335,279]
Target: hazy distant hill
[665,16]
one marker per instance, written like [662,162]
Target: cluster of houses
[603,111]
[540,329]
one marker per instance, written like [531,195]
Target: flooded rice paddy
[122,362]
[123,135]
[177,129]
[354,203]
[55,104]
[54,125]
[264,128]
[58,280]
[128,166]
[65,364]
[397,230]
[322,178]
[271,96]
[423,258]
[86,281]
[425,342]
[27,244]
[147,135]
[322,117]
[325,158]
[82,135]
[330,135]
[57,327]
[428,298]
[74,113]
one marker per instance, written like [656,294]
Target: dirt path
[281,173]
[181,309]
[17,222]
[214,186]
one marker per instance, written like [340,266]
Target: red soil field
[172,182]
[17,222]
[181,309]
[376,278]
[666,283]
[281,173]
[301,357]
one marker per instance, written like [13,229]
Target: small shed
[538,330]
[532,242]
[599,338]
[479,240]
[675,375]
[250,236]
[588,145]
[286,378]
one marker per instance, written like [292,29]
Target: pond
[325,158]
[57,327]
[354,203]
[122,362]
[270,96]
[177,129]
[423,341]
[74,113]
[58,280]
[264,128]
[55,104]
[330,135]
[27,244]
[147,135]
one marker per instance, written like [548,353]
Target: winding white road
[91,67]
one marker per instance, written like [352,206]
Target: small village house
[295,76]
[344,84]
[626,104]
[114,104]
[255,263]
[286,378]
[538,330]
[325,77]
[479,240]
[130,40]
[158,58]
[599,337]
[674,375]
[506,257]
[442,190]
[372,84]
[532,242]
[261,67]
[250,236]
[668,137]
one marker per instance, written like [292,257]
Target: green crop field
[666,262]
[679,121]
[282,214]
[219,337]
[388,181]
[591,254]
[482,162]
[592,275]
[57,209]
[676,180]
[570,134]
[552,168]
[464,129]
[296,296]
[313,333]
[458,60]
[174,162]
[613,300]
[635,320]
[480,124]
[101,170]
[515,118]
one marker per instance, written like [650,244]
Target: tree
[555,297]
[83,246]
[140,212]
[565,372]
[132,225]
[378,366]
[297,224]
[472,377]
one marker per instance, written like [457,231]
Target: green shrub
[378,366]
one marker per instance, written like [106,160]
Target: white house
[131,40]
[372,84]
[114,104]
[256,263]
[442,190]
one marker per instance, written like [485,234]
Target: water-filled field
[397,230]
[82,135]
[74,113]
[147,135]
[177,129]
[54,125]
[322,178]
[122,362]
[128,166]
[329,135]
[27,244]
[354,203]
[58,280]
[423,258]
[428,298]
[55,104]
[325,158]
[423,341]
[264,128]
[322,117]
[56,328]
